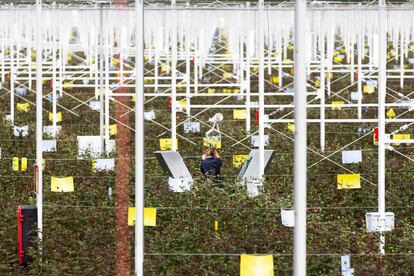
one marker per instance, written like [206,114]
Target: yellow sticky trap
[147,58]
[207,142]
[182,104]
[113,129]
[369,89]
[211,91]
[400,137]
[69,57]
[131,216]
[255,69]
[348,181]
[23,107]
[58,117]
[275,80]
[337,105]
[166,144]
[390,113]
[134,99]
[23,167]
[33,55]
[15,164]
[236,90]
[257,265]
[93,59]
[239,160]
[215,225]
[338,59]
[227,75]
[336,53]
[44,81]
[115,62]
[291,127]
[148,80]
[43,164]
[287,60]
[68,85]
[239,114]
[318,83]
[150,216]
[62,184]
[291,47]
[93,165]
[164,68]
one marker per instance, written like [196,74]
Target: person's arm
[216,154]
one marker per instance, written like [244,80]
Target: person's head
[209,152]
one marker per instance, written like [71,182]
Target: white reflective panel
[49,145]
[104,164]
[21,131]
[149,116]
[193,127]
[95,105]
[91,146]
[287,217]
[255,140]
[50,130]
[351,156]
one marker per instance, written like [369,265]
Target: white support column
[187,67]
[106,90]
[360,75]
[139,139]
[12,91]
[39,119]
[261,91]
[300,148]
[101,77]
[174,77]
[382,86]
[322,99]
[54,100]
[248,67]
[402,71]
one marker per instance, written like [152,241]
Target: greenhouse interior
[251,138]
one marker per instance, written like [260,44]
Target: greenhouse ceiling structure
[206,137]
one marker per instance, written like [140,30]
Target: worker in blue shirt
[211,164]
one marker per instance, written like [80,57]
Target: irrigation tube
[300,149]
[39,118]
[139,139]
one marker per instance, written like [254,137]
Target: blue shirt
[211,166]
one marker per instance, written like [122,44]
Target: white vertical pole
[174,77]
[39,118]
[360,54]
[382,84]
[101,78]
[139,139]
[248,67]
[300,156]
[322,89]
[54,119]
[12,91]
[261,90]
[402,71]
[187,65]
[107,57]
